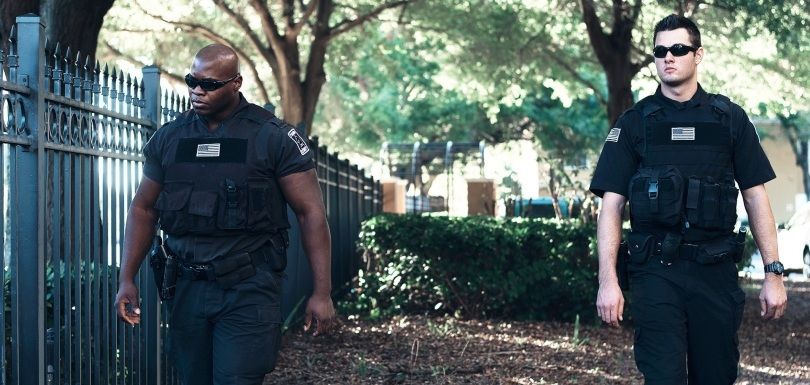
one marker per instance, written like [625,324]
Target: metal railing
[71,132]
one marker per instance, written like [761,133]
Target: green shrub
[477,266]
[539,269]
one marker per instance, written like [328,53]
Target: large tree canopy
[290,38]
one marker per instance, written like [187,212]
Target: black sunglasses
[207,85]
[677,50]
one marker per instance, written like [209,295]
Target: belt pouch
[739,244]
[640,247]
[231,270]
[715,251]
[169,278]
[278,254]
[157,261]
[621,266]
[669,247]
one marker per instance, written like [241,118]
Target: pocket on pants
[271,341]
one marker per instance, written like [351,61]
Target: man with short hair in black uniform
[675,156]
[219,178]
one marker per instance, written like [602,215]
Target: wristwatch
[775,267]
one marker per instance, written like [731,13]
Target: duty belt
[205,271]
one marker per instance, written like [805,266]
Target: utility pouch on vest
[641,246]
[716,250]
[656,197]
[233,269]
[621,266]
[710,204]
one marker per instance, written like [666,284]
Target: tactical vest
[222,186]
[685,182]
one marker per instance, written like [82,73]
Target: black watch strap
[775,267]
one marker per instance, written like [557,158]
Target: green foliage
[477,266]
[387,88]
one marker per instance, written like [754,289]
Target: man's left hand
[321,311]
[773,298]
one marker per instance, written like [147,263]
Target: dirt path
[421,350]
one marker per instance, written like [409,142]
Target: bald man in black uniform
[217,180]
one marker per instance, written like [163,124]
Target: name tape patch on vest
[683,133]
[613,135]
[208,150]
[299,141]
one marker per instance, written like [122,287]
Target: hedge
[478,267]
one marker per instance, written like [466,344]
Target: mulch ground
[423,350]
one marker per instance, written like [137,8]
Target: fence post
[151,96]
[30,234]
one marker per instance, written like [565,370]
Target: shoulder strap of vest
[257,114]
[647,106]
[722,105]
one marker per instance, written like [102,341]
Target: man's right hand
[127,303]
[610,303]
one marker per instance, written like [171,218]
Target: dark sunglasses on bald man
[677,50]
[207,84]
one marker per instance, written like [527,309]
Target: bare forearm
[763,227]
[609,236]
[140,229]
[318,245]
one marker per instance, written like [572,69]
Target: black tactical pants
[226,337]
[686,319]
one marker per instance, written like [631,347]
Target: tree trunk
[72,23]
[620,92]
[613,51]
[9,10]
[290,86]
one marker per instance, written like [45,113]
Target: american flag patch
[209,150]
[683,133]
[613,135]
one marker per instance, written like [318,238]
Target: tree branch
[313,5]
[599,40]
[347,24]
[176,78]
[254,39]
[208,33]
[269,25]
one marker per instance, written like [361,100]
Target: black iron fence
[71,132]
